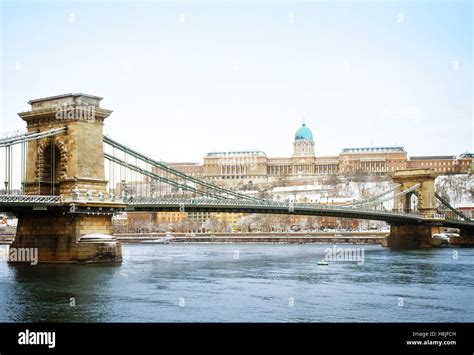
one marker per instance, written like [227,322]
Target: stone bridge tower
[58,163]
[414,235]
[425,201]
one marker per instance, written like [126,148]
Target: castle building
[241,167]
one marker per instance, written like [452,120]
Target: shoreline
[364,237]
[261,238]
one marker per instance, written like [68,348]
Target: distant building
[191,169]
[249,165]
[147,222]
[443,164]
[373,160]
[241,167]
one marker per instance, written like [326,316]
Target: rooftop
[237,153]
[373,150]
[304,133]
[466,155]
[52,102]
[56,97]
[183,164]
[434,157]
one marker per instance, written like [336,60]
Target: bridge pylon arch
[424,179]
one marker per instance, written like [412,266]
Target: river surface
[245,283]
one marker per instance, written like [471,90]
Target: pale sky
[185,78]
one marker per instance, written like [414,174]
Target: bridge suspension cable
[449,207]
[158,177]
[374,198]
[29,136]
[217,190]
[404,192]
[14,156]
[15,133]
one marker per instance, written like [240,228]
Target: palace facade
[237,167]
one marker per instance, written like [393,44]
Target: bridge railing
[30,199]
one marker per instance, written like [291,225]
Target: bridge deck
[10,203]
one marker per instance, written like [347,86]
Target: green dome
[304,133]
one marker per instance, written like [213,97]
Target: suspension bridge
[64,179]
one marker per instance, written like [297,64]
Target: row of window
[444,166]
[436,163]
[444,163]
[443,169]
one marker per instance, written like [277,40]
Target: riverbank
[287,238]
[283,238]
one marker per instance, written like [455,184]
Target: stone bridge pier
[466,238]
[59,164]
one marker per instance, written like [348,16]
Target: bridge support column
[56,237]
[466,238]
[411,236]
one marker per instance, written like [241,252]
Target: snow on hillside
[336,193]
[458,188]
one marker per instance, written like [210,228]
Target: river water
[245,283]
